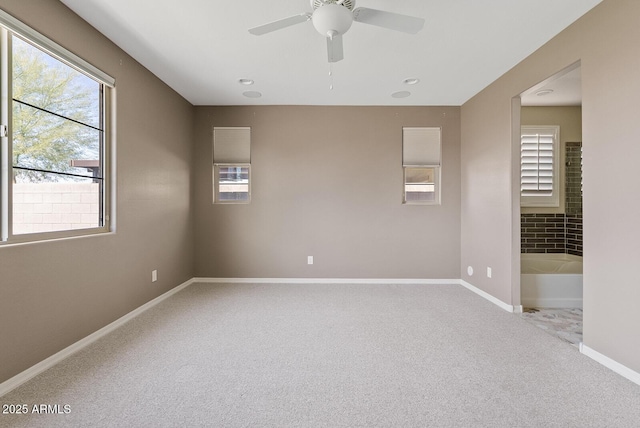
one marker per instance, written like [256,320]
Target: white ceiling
[201,48]
[562,89]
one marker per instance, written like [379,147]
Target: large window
[231,165]
[55,155]
[421,164]
[539,166]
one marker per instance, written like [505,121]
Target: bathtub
[551,281]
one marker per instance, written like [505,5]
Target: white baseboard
[327,281]
[489,297]
[35,370]
[622,370]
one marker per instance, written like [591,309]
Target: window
[539,166]
[232,183]
[54,161]
[231,165]
[421,164]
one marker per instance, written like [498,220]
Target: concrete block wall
[47,207]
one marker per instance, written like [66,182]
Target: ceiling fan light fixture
[332,19]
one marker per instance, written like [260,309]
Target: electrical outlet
[154,275]
[309,260]
[488,272]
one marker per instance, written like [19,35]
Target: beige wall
[327,182]
[55,293]
[569,119]
[606,42]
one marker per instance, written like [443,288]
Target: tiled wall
[573,179]
[573,195]
[574,234]
[558,233]
[543,233]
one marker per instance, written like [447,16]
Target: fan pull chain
[331,76]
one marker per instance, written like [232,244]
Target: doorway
[550,217]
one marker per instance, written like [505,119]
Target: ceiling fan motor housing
[349,4]
[332,19]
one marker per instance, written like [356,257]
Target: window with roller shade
[231,165]
[539,166]
[421,152]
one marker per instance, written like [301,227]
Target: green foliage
[42,140]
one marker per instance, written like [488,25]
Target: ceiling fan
[332,18]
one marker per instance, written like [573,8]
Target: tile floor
[565,324]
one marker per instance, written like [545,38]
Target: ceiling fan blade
[280,24]
[334,48]
[390,20]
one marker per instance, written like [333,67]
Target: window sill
[15,242]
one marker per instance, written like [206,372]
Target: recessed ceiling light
[411,81]
[543,92]
[246,82]
[252,94]
[401,94]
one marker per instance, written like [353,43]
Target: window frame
[543,201]
[10,26]
[436,185]
[216,183]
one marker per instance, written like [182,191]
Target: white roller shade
[231,145]
[421,146]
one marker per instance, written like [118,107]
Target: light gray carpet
[278,355]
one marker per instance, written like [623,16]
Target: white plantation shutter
[538,165]
[536,177]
